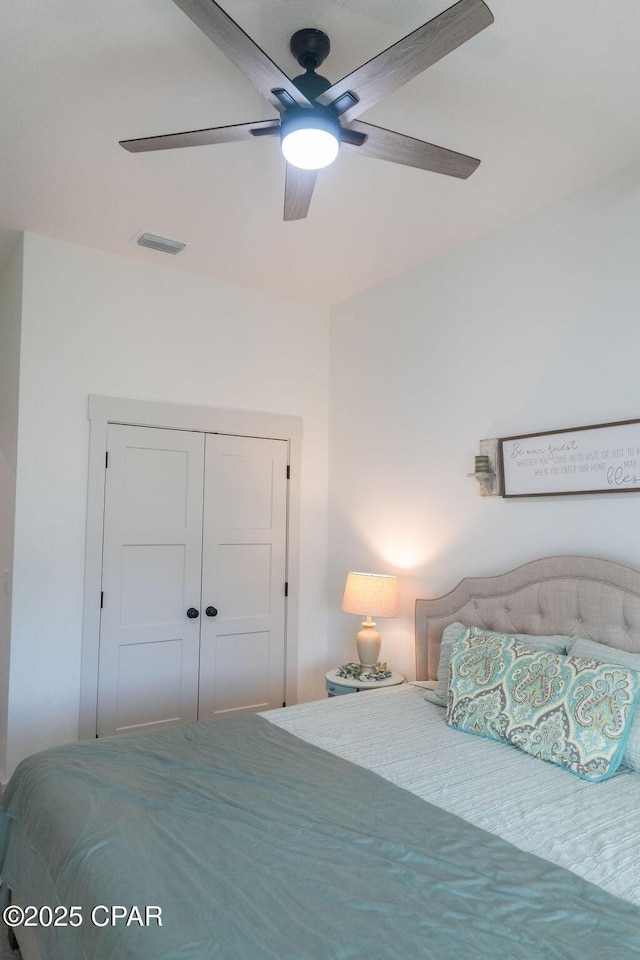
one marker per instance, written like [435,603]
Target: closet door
[149,644]
[242,653]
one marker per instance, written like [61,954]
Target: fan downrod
[310,47]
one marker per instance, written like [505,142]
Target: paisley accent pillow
[554,643]
[571,711]
[605,654]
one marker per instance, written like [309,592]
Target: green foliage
[355,671]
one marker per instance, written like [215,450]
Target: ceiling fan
[318,118]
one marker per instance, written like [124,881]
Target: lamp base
[368,643]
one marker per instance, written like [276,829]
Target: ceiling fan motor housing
[310,47]
[311,85]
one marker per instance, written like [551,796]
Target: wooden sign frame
[601,458]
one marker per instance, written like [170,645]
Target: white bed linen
[592,829]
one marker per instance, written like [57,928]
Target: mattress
[591,829]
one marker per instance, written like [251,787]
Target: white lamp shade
[371,594]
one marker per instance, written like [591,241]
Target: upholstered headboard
[573,596]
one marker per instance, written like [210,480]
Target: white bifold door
[193,579]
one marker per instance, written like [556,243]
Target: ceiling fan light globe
[310,148]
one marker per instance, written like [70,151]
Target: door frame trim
[149,413]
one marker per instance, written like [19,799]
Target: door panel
[243,575]
[241,667]
[152,584]
[144,704]
[149,649]
[166,503]
[244,485]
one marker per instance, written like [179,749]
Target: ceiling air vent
[162,244]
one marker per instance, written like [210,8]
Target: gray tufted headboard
[573,596]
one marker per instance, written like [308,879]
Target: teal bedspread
[258,846]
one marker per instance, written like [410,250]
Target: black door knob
[192,613]
[211,612]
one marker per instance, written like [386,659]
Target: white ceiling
[547,97]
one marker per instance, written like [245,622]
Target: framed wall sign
[604,458]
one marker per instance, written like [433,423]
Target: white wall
[533,328]
[10,315]
[97,323]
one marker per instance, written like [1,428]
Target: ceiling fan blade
[298,190]
[238,46]
[407,58]
[203,138]
[398,148]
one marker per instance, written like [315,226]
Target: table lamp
[370,594]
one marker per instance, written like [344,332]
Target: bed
[353,827]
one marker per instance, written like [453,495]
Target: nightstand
[337,686]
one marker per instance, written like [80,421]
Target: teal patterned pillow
[605,654]
[571,711]
[554,643]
